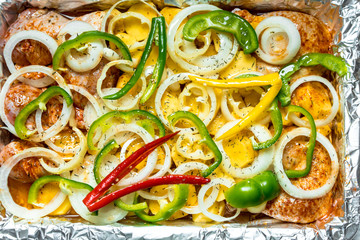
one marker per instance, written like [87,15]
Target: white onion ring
[202,65]
[65,112]
[202,205]
[150,196]
[180,78]
[267,29]
[73,28]
[210,200]
[334,109]
[5,196]
[89,97]
[41,37]
[261,162]
[184,151]
[285,182]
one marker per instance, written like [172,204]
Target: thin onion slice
[261,162]
[215,182]
[285,182]
[41,37]
[73,28]
[175,80]
[270,28]
[201,64]
[65,112]
[334,109]
[185,149]
[5,196]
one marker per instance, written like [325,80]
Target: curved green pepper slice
[157,27]
[105,123]
[64,184]
[276,119]
[181,195]
[39,102]
[329,61]
[223,21]
[206,138]
[253,191]
[86,37]
[98,160]
[311,144]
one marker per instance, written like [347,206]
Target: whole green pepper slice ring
[181,192]
[223,21]
[276,119]
[64,184]
[253,191]
[329,61]
[97,164]
[105,123]
[206,138]
[156,23]
[311,144]
[39,102]
[86,37]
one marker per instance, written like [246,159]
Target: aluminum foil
[347,29]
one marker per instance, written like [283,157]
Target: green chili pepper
[311,144]
[181,192]
[276,119]
[86,37]
[253,191]
[97,164]
[157,23]
[105,123]
[329,61]
[206,138]
[64,184]
[39,102]
[223,21]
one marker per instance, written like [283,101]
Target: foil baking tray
[343,17]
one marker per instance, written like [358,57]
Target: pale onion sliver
[334,108]
[285,182]
[5,195]
[261,162]
[65,112]
[217,181]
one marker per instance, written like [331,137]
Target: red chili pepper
[169,179]
[124,168]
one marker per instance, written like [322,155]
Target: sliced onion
[89,97]
[261,162]
[75,162]
[267,30]
[130,129]
[73,28]
[186,152]
[41,37]
[174,80]
[106,215]
[285,182]
[334,109]
[215,182]
[201,64]
[150,196]
[65,112]
[5,196]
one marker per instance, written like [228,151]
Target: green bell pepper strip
[223,21]
[97,164]
[86,37]
[64,185]
[329,61]
[253,191]
[181,192]
[105,123]
[39,102]
[157,22]
[276,119]
[311,144]
[160,64]
[206,138]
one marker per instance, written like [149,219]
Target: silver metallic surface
[349,136]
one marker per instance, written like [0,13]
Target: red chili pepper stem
[124,168]
[166,180]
